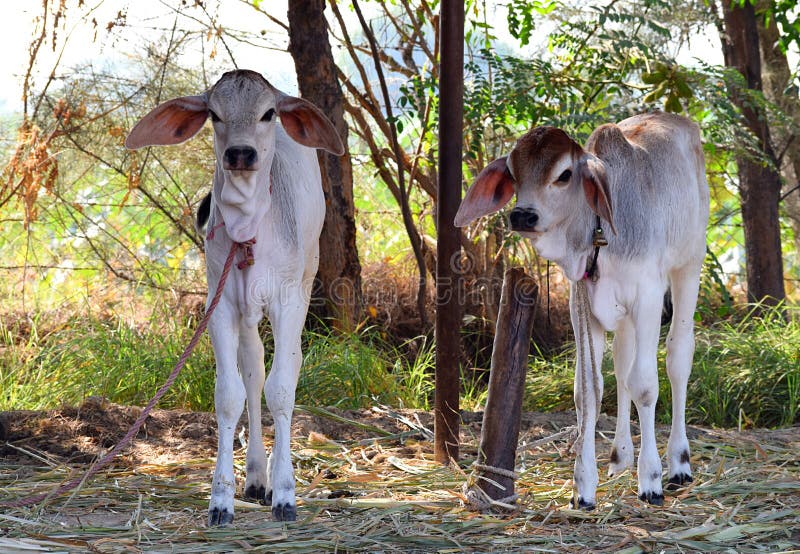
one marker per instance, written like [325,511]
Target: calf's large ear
[169,123]
[307,125]
[595,188]
[492,190]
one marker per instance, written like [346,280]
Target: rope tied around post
[496,470]
[491,483]
[478,499]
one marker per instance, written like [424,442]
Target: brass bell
[598,239]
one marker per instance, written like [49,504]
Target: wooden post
[503,412]
[448,246]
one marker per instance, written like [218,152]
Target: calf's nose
[242,158]
[523,219]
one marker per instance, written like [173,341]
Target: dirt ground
[367,482]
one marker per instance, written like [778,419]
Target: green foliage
[714,300]
[90,356]
[358,370]
[521,17]
[745,373]
[111,211]
[549,382]
[785,14]
[93,356]
[669,82]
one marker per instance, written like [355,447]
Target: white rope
[592,372]
[496,470]
[478,499]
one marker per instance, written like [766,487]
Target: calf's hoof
[580,504]
[654,498]
[219,516]
[679,481]
[258,493]
[284,512]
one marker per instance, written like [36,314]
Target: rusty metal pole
[448,307]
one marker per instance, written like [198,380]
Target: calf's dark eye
[268,116]
[565,176]
[214,117]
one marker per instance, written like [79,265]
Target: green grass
[746,373]
[358,370]
[89,356]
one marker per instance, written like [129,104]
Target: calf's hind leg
[251,366]
[684,283]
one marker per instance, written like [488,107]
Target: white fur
[278,284]
[273,195]
[627,299]
[653,175]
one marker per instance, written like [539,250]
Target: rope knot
[247,247]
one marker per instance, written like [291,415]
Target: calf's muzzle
[523,219]
[240,158]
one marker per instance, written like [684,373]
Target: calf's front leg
[251,365]
[287,324]
[229,396]
[588,389]
[624,349]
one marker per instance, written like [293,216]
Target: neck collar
[598,240]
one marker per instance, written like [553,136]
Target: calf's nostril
[249,155]
[240,157]
[522,219]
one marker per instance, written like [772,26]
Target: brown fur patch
[538,150]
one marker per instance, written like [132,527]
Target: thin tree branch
[404,208]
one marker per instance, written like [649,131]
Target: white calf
[645,178]
[267,187]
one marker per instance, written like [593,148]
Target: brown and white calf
[644,181]
[267,187]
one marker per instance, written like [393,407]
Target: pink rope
[249,258]
[35,499]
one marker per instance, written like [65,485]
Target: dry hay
[367,482]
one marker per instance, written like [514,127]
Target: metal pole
[448,308]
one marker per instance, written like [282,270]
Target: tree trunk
[503,412]
[777,76]
[337,293]
[759,185]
